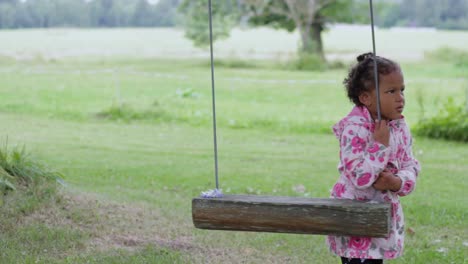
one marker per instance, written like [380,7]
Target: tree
[142,14]
[307,16]
[7,14]
[103,13]
[166,13]
[225,14]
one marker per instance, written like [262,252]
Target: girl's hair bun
[364,56]
[361,75]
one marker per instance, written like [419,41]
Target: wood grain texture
[292,215]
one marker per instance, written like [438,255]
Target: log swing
[279,214]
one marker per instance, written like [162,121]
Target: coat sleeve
[362,159]
[410,167]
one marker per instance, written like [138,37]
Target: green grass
[135,135]
[263,98]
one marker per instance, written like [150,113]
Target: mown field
[125,115]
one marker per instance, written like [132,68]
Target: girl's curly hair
[361,76]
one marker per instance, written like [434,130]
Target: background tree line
[87,13]
[442,14]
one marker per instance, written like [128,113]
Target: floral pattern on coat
[361,161]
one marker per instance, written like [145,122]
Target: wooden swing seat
[298,215]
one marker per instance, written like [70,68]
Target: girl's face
[392,98]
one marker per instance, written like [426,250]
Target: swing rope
[376,75]
[216,192]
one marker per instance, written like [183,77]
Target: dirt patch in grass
[112,226]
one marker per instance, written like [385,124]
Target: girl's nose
[401,96]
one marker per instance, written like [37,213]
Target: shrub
[451,123]
[25,184]
[126,113]
[18,169]
[114,112]
[233,63]
[307,62]
[336,65]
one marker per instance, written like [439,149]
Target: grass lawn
[133,138]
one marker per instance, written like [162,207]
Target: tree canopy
[307,16]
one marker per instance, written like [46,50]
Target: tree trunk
[311,38]
[316,37]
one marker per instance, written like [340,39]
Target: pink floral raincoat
[361,161]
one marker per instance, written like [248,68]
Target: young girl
[376,161]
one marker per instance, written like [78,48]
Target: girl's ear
[365,99]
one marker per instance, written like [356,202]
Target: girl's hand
[387,181]
[382,132]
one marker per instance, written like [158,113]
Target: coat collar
[360,115]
